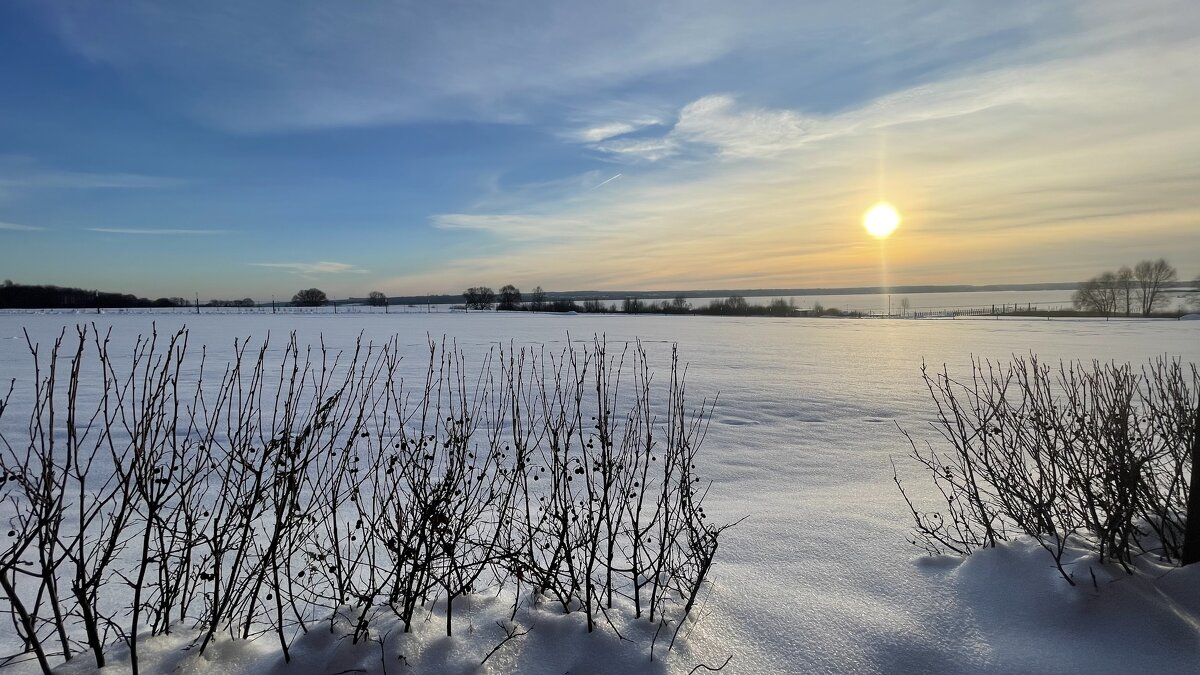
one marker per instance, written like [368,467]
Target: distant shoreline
[759,292]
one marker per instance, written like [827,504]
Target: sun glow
[881,220]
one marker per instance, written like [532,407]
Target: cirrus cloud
[17,227]
[313,268]
[157,231]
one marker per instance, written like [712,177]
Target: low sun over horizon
[253,149]
[881,220]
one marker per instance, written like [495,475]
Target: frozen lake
[819,577]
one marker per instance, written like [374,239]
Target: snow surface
[819,578]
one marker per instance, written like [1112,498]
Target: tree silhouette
[310,297]
[1152,277]
[537,299]
[510,297]
[479,297]
[376,299]
[1100,294]
[1125,288]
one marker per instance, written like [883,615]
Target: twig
[510,634]
[710,668]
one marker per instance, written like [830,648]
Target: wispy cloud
[511,226]
[138,231]
[606,130]
[20,228]
[641,149]
[717,122]
[22,172]
[314,268]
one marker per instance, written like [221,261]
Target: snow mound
[545,642]
[1025,612]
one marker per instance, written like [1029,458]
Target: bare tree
[376,299]
[310,297]
[537,299]
[678,305]
[1125,288]
[479,297]
[1152,277]
[1098,294]
[510,297]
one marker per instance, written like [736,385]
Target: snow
[819,578]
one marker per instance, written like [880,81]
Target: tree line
[22,296]
[1141,289]
[510,298]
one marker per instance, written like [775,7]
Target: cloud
[21,172]
[20,228]
[314,268]
[512,226]
[138,231]
[603,131]
[649,150]
[741,132]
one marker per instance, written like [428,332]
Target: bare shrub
[289,488]
[1099,454]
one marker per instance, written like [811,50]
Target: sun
[881,220]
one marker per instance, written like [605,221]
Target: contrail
[607,181]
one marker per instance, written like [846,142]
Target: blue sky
[253,148]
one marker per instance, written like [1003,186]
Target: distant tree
[781,307]
[510,297]
[376,299]
[310,297]
[244,302]
[1194,294]
[904,306]
[479,297]
[734,304]
[537,299]
[1125,289]
[633,306]
[679,305]
[8,283]
[1152,278]
[594,306]
[1098,294]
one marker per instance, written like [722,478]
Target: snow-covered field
[819,577]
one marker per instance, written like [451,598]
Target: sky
[245,149]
